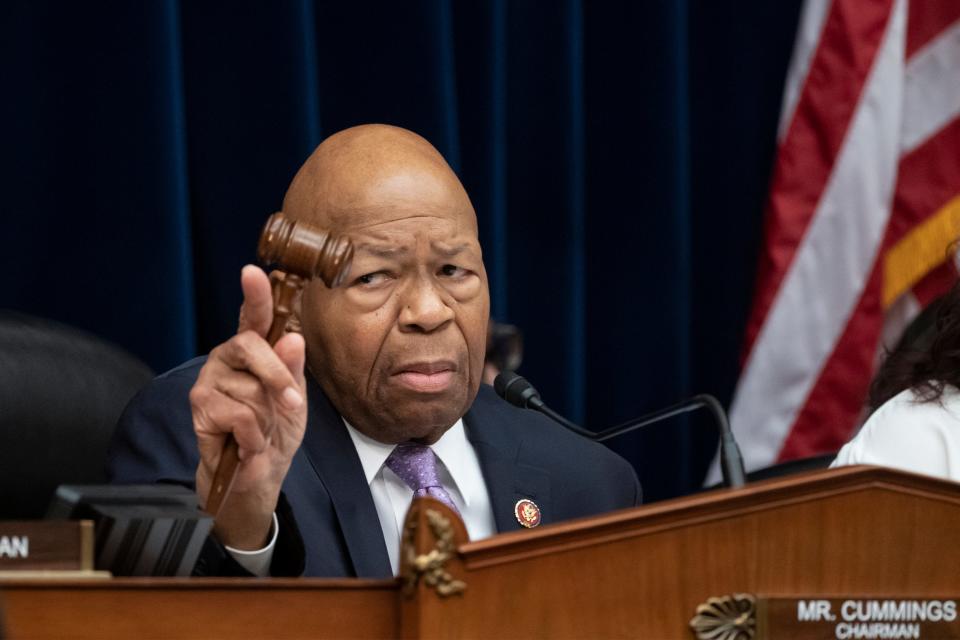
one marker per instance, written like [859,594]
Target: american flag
[864,205]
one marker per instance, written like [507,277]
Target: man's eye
[368,279]
[452,271]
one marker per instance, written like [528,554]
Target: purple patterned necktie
[416,465]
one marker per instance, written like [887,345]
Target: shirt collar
[450,449]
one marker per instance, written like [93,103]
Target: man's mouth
[426,377]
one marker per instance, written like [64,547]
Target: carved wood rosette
[730,617]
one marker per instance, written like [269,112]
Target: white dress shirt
[460,475]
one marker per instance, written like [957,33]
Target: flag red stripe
[926,19]
[851,36]
[830,412]
[928,177]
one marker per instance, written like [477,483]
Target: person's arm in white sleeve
[257,562]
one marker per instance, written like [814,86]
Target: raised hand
[257,393]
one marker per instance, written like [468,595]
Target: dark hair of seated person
[927,358]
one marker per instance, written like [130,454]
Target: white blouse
[907,433]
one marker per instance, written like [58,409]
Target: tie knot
[415,464]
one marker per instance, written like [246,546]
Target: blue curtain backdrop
[617,154]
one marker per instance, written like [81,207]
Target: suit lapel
[507,477]
[331,452]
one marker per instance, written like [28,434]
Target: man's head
[399,347]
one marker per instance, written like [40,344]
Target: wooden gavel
[301,251]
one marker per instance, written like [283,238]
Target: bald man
[392,357]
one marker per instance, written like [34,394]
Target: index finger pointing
[256,313]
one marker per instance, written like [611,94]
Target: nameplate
[46,545]
[860,617]
[857,617]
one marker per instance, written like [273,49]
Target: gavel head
[302,249]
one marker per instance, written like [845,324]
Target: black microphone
[519,392]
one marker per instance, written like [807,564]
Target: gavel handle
[285,288]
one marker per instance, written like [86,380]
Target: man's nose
[424,307]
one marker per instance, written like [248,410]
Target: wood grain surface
[200,608]
[638,573]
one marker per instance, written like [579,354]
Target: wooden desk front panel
[636,573]
[642,573]
[200,608]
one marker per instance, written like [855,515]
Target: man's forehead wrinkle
[355,206]
[371,226]
[449,250]
[382,250]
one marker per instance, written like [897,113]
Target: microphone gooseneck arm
[518,391]
[731,461]
[537,404]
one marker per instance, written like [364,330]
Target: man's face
[399,346]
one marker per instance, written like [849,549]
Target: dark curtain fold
[617,154]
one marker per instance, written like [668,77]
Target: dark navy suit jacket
[329,525]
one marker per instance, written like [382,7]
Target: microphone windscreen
[503,379]
[515,389]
